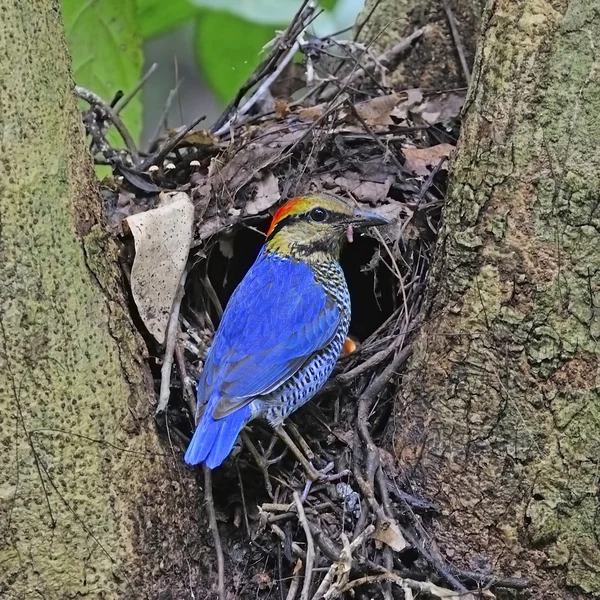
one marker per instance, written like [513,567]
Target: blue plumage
[284,327]
[278,321]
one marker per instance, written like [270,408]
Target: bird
[283,328]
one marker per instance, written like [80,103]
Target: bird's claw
[315,475]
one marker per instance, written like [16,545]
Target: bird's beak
[363,218]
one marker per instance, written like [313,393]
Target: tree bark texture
[434,64]
[499,418]
[89,504]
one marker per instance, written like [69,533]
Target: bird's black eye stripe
[319,215]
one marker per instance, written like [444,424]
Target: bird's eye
[318,214]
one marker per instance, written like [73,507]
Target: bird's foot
[315,475]
[263,462]
[312,473]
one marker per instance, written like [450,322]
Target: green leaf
[106,51]
[228,50]
[272,12]
[337,14]
[159,16]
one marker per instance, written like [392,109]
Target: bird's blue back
[275,320]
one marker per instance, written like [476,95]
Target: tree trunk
[89,504]
[435,64]
[499,420]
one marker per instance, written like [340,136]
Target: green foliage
[228,49]
[105,46]
[272,12]
[160,16]
[105,37]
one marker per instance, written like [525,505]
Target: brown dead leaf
[440,108]
[200,138]
[376,111]
[389,533]
[282,108]
[162,238]
[267,194]
[312,113]
[244,166]
[365,190]
[420,160]
[413,97]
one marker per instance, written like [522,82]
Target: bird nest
[326,123]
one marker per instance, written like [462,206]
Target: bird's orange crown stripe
[296,205]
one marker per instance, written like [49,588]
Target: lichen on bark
[503,428]
[434,63]
[90,506]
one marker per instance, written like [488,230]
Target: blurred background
[192,55]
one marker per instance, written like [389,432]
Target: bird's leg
[312,473]
[300,440]
[262,461]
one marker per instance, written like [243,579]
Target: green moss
[511,407]
[63,387]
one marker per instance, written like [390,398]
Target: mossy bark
[500,420]
[434,64]
[89,505]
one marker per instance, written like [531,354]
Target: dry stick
[420,586]
[212,521]
[172,335]
[260,461]
[386,59]
[188,392]
[345,554]
[370,363]
[382,146]
[310,548]
[366,20]
[457,41]
[162,122]
[266,84]
[281,535]
[268,63]
[95,100]
[169,144]
[293,591]
[125,100]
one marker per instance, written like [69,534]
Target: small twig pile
[340,129]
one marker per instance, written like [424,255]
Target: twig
[188,392]
[344,561]
[366,20]
[310,548]
[172,335]
[293,591]
[169,144]
[371,363]
[265,67]
[281,535]
[457,41]
[387,59]
[125,100]
[212,521]
[384,148]
[420,586]
[113,117]
[265,85]
[162,122]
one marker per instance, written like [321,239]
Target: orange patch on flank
[291,206]
[349,346]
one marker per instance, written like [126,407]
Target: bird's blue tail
[213,439]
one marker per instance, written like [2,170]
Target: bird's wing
[275,320]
